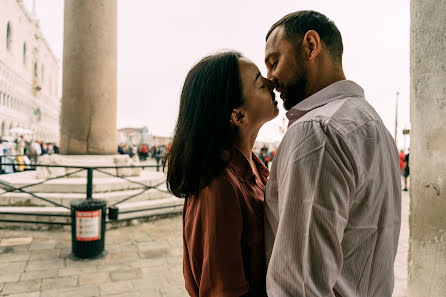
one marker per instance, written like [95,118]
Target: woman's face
[260,104]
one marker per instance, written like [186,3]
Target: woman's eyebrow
[257,76]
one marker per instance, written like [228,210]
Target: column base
[87,161]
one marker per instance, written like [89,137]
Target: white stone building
[29,75]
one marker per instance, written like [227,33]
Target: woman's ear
[238,117]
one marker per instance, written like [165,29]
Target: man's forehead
[273,40]
[277,33]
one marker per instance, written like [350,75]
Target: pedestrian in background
[402,157]
[406,171]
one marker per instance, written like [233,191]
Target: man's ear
[312,45]
[238,117]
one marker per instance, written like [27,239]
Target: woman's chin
[276,109]
[275,113]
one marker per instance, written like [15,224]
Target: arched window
[43,74]
[3,131]
[24,53]
[35,70]
[8,36]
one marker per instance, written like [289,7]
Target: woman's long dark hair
[212,89]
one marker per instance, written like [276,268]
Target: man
[36,150]
[402,156]
[333,200]
[20,146]
[406,171]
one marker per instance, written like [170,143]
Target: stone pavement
[403,250]
[142,260]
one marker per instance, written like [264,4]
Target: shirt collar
[338,90]
[243,169]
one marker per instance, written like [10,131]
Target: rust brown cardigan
[223,247]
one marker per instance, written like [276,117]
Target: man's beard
[294,92]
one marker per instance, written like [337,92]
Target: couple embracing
[325,221]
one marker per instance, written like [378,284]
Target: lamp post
[396,114]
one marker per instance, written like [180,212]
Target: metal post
[89,183]
[396,115]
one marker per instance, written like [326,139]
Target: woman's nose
[271,84]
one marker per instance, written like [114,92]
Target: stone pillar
[427,246]
[88,117]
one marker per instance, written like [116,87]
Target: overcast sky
[159,41]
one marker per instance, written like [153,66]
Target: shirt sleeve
[314,186]
[221,220]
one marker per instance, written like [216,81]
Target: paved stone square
[403,250]
[142,260]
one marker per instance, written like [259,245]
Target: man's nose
[269,75]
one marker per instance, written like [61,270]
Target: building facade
[134,136]
[29,75]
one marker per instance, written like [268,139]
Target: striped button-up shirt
[333,200]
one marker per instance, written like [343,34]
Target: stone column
[88,117]
[427,247]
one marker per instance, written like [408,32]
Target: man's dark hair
[203,133]
[298,23]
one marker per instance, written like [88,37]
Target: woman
[223,104]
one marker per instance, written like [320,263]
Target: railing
[30,166]
[6,159]
[8,188]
